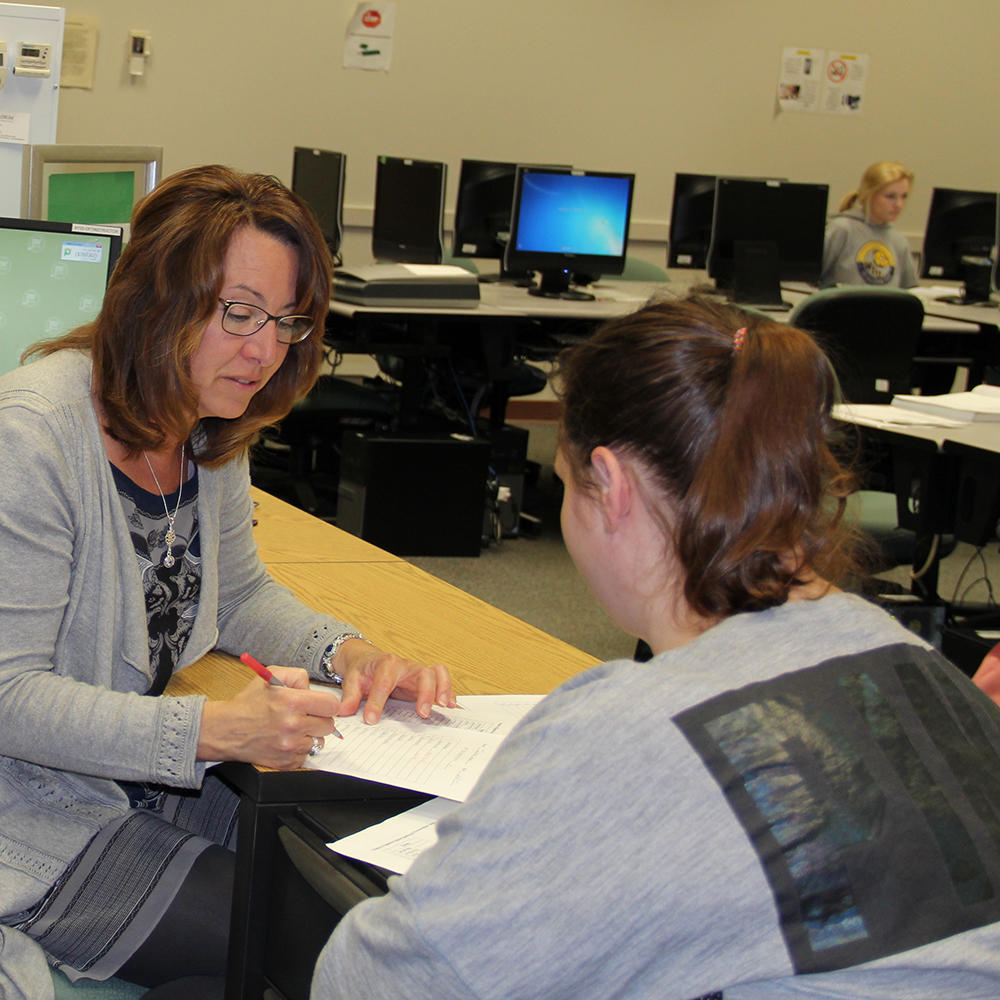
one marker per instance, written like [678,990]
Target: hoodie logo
[875,263]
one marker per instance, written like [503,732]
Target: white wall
[650,86]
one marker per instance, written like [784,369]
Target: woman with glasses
[127,552]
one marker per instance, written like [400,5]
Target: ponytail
[729,413]
[768,495]
[848,202]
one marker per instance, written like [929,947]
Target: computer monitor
[566,222]
[52,279]
[86,184]
[409,211]
[691,220]
[482,214]
[960,239]
[482,209]
[318,179]
[765,232]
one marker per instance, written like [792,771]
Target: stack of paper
[883,415]
[982,403]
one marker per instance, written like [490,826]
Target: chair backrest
[637,269]
[870,335]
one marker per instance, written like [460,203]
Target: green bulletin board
[98,197]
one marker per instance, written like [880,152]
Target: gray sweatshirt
[799,803]
[856,252]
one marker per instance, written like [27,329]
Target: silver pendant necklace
[170,536]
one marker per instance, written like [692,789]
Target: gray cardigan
[74,656]
[858,252]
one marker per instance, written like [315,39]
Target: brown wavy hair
[165,289]
[737,441]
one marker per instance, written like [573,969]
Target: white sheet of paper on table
[398,841]
[443,755]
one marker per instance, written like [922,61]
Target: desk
[946,479]
[495,325]
[400,608]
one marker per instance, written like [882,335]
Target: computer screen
[52,279]
[409,211]
[691,220]
[959,224]
[766,231]
[318,179]
[566,222]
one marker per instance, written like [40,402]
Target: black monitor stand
[977,276]
[555,285]
[520,279]
[757,275]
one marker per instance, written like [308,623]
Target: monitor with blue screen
[568,222]
[52,279]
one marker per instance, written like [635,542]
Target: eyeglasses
[243,320]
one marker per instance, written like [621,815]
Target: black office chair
[870,335]
[307,441]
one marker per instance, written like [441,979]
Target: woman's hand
[268,725]
[371,673]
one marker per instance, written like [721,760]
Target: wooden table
[399,607]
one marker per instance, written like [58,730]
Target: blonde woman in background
[861,247]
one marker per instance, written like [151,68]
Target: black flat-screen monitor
[482,209]
[960,239]
[318,179]
[765,232]
[691,220]
[566,222]
[52,279]
[409,211]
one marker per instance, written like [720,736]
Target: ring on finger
[317,745]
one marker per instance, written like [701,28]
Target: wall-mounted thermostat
[33,59]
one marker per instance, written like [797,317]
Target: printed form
[443,755]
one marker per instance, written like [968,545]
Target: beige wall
[650,86]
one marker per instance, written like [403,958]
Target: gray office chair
[466,262]
[870,335]
[637,269]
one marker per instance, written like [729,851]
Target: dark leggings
[185,954]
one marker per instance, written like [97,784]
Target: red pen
[258,668]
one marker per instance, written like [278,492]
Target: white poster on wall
[844,83]
[800,79]
[368,43]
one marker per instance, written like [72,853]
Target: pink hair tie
[738,339]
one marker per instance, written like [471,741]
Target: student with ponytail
[861,247]
[795,796]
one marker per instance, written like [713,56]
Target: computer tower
[414,496]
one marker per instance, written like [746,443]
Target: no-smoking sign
[837,71]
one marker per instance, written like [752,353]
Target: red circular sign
[371,18]
[837,71]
